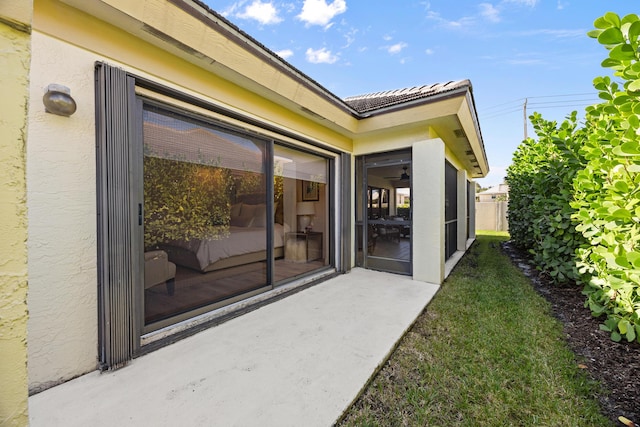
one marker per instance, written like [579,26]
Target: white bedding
[241,240]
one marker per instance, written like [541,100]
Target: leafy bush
[608,188]
[575,193]
[540,192]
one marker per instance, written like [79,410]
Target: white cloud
[461,23]
[429,51]
[265,13]
[557,34]
[319,12]
[530,3]
[525,61]
[396,48]
[321,56]
[350,37]
[285,53]
[490,12]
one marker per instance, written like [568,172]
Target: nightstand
[303,247]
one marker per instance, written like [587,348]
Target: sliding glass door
[198,209]
[210,224]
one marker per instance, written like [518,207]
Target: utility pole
[524,112]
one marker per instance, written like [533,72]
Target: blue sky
[510,50]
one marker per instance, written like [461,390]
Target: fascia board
[471,127]
[202,41]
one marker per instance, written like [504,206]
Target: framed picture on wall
[310,191]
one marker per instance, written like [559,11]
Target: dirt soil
[616,366]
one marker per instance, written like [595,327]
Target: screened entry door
[387,216]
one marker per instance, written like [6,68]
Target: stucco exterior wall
[428,211]
[61,171]
[15,56]
[61,176]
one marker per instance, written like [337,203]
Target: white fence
[491,216]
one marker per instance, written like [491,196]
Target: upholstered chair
[158,269]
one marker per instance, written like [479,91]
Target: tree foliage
[574,198]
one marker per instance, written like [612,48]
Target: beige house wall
[62,215]
[428,211]
[61,172]
[15,57]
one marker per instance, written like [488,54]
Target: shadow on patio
[298,361]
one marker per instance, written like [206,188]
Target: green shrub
[574,197]
[540,194]
[608,188]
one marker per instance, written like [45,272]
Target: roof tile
[378,100]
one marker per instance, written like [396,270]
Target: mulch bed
[616,366]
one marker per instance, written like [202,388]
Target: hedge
[574,199]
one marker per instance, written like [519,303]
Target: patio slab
[299,361]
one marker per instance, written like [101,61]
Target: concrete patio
[300,361]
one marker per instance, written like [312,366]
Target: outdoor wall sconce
[58,100]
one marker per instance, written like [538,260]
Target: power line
[592,100]
[521,100]
[510,107]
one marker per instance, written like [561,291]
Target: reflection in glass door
[384,217]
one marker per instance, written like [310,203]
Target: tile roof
[379,100]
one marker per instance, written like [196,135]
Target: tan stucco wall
[428,210]
[62,218]
[62,175]
[117,46]
[15,56]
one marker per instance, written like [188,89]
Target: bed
[245,243]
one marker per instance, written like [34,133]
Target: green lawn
[486,352]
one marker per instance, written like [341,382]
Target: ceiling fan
[404,177]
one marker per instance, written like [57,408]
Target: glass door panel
[388,222]
[301,213]
[205,216]
[383,212]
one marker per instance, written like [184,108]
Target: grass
[485,352]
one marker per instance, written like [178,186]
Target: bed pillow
[260,218]
[241,221]
[235,210]
[248,210]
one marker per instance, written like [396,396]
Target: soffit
[196,34]
[191,31]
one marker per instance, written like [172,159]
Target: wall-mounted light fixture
[58,100]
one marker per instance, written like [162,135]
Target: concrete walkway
[300,361]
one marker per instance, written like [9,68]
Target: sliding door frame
[121,299]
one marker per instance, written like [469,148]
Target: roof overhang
[191,31]
[451,115]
